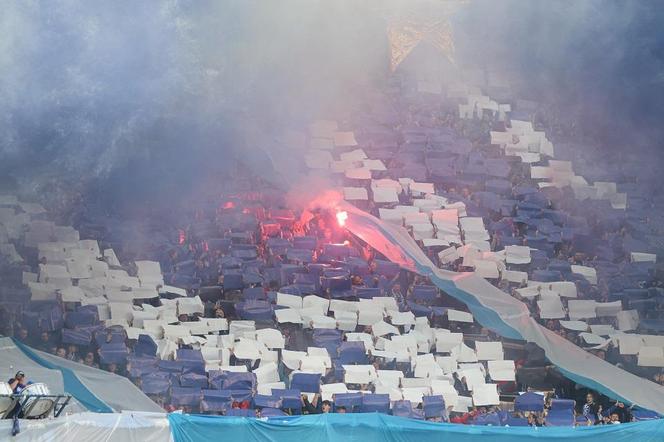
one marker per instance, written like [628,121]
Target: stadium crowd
[243,255]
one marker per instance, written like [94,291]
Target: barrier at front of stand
[369,427]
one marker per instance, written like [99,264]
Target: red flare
[341,218]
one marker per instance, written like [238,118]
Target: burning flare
[341,218]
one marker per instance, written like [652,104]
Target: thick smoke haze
[135,94]
[603,59]
[142,99]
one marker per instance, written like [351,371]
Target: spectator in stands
[242,405]
[89,360]
[611,419]
[623,413]
[341,409]
[461,385]
[547,401]
[72,353]
[463,418]
[22,335]
[312,407]
[592,410]
[44,343]
[533,420]
[61,352]
[18,382]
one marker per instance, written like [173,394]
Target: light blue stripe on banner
[73,385]
[484,315]
[370,427]
[490,319]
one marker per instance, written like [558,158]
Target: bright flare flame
[341,218]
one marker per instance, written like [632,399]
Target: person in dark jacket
[592,410]
[312,407]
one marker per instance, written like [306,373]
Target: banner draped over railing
[370,427]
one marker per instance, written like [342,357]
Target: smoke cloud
[143,99]
[135,93]
[600,59]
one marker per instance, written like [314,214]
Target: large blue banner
[379,427]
